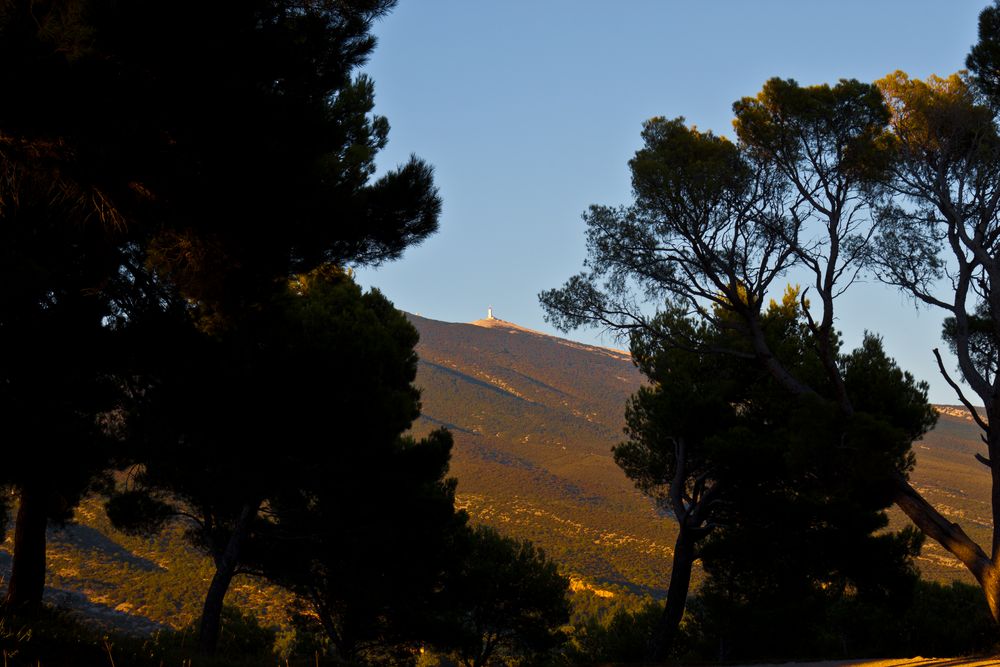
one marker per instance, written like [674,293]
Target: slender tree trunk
[225,568]
[483,657]
[343,643]
[989,580]
[677,592]
[27,575]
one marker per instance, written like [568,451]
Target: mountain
[534,419]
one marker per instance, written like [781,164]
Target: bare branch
[961,396]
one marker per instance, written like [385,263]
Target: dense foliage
[780,501]
[507,601]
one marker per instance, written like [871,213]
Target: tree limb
[937,527]
[961,396]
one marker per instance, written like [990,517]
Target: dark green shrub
[622,638]
[948,620]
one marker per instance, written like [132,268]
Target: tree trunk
[989,581]
[343,647]
[27,575]
[483,657]
[951,536]
[677,592]
[225,568]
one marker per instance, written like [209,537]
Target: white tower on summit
[489,313]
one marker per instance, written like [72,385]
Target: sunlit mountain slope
[535,418]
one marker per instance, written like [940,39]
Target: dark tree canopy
[166,169]
[234,147]
[270,163]
[506,601]
[774,496]
[368,540]
[315,389]
[60,251]
[984,57]
[804,534]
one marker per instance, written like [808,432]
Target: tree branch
[961,396]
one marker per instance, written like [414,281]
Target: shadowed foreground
[896,662]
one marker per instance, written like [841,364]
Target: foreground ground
[899,662]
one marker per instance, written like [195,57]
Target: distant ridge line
[958,411]
[496,323]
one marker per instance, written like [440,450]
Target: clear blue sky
[529,111]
